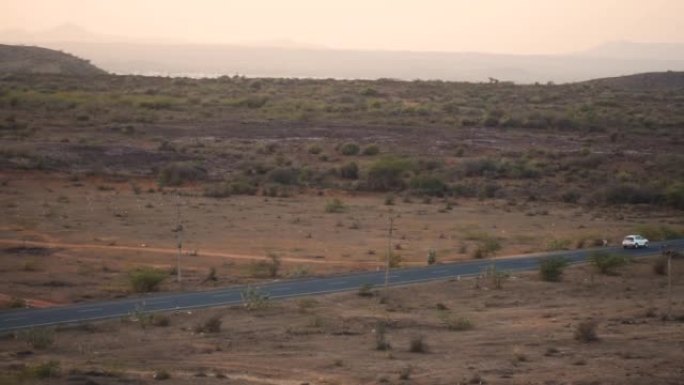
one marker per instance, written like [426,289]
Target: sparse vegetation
[176,174]
[146,279]
[455,323]
[254,298]
[265,268]
[49,369]
[487,245]
[335,206]
[551,268]
[161,375]
[40,339]
[607,263]
[349,149]
[366,290]
[211,325]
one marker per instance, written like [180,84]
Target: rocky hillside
[24,59]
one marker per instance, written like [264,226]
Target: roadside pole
[179,239]
[389,249]
[669,285]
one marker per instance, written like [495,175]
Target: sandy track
[158,250]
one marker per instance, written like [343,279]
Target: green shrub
[658,233]
[349,149]
[226,189]
[371,150]
[674,195]
[176,174]
[395,260]
[496,276]
[50,369]
[388,174]
[607,263]
[487,245]
[571,196]
[366,290]
[335,206]
[428,185]
[146,279]
[315,149]
[16,303]
[479,167]
[284,175]
[558,244]
[551,268]
[631,194]
[349,171]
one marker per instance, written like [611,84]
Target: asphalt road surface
[28,318]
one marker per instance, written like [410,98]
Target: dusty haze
[500,26]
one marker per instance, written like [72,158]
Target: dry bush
[38,338]
[211,325]
[585,331]
[380,331]
[418,345]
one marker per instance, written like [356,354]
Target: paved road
[27,318]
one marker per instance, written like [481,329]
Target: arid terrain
[102,178]
[460,331]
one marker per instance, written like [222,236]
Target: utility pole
[179,239]
[389,249]
[669,285]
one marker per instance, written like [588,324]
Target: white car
[634,241]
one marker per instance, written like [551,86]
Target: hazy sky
[507,26]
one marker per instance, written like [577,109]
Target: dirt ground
[68,240]
[471,333]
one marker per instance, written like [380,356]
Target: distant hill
[647,81]
[23,59]
[125,55]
